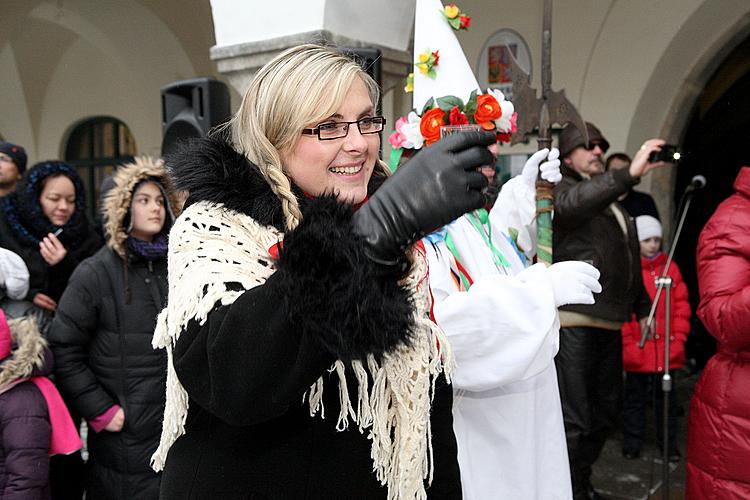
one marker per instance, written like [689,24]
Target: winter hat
[571,138]
[5,340]
[648,227]
[17,153]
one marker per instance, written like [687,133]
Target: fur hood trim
[28,354]
[117,201]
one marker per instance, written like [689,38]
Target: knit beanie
[648,227]
[17,154]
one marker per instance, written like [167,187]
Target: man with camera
[590,225]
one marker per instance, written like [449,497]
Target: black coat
[248,433]
[103,354]
[43,278]
[585,228]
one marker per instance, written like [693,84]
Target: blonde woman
[303,361]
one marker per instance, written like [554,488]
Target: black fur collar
[210,169]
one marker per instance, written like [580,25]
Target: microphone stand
[664,282]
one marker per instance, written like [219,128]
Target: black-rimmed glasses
[337,130]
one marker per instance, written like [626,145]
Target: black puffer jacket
[101,339]
[585,228]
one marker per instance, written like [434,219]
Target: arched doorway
[715,145]
[95,147]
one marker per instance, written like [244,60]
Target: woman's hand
[52,250]
[45,302]
[117,422]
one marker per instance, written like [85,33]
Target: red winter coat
[719,426]
[635,359]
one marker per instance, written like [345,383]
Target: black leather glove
[437,186]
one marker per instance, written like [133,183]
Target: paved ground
[620,479]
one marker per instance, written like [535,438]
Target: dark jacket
[43,278]
[248,433]
[585,228]
[23,225]
[101,338]
[718,446]
[637,204]
[24,421]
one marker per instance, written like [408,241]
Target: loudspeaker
[190,108]
[369,59]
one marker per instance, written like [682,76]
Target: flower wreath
[491,111]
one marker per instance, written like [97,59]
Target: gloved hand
[438,185]
[574,282]
[550,169]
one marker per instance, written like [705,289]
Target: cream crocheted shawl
[209,246]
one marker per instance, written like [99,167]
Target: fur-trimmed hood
[210,169]
[117,201]
[29,355]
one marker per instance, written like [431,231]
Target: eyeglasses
[591,145]
[337,130]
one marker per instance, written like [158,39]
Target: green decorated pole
[544,189]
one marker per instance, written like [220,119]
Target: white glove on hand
[550,169]
[574,282]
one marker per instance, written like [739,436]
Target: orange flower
[488,110]
[430,125]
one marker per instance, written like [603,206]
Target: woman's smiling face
[338,166]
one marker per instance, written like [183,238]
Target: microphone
[697,182]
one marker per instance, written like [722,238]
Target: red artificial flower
[465,22]
[457,117]
[437,57]
[430,125]
[503,137]
[488,110]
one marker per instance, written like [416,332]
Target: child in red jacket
[645,367]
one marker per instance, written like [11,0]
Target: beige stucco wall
[66,61]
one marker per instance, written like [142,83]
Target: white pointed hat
[454,74]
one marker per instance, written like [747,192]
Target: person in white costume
[504,333]
[500,314]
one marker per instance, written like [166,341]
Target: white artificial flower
[497,94]
[503,123]
[411,132]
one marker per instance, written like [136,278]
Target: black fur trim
[334,292]
[210,169]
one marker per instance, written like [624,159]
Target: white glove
[550,169]
[574,282]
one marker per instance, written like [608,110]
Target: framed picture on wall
[493,66]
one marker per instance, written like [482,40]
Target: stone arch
[697,50]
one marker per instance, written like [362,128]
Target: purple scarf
[149,250]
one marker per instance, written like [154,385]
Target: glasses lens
[370,125]
[333,130]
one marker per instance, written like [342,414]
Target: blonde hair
[300,86]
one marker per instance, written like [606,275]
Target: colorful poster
[498,63]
